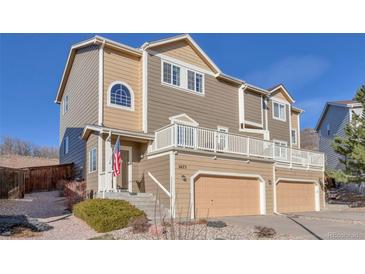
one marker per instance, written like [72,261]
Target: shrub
[105,215]
[74,192]
[264,232]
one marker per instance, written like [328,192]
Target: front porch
[133,146]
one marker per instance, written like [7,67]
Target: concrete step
[143,201]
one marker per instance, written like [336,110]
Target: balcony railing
[203,139]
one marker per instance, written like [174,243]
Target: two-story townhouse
[202,141]
[332,122]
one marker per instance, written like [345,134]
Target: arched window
[121,95]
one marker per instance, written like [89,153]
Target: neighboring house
[332,122]
[204,142]
[309,139]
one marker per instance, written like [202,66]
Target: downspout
[100,113]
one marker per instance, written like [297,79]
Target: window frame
[328,130]
[110,104]
[184,81]
[66,144]
[195,81]
[65,104]
[90,163]
[273,110]
[222,137]
[296,136]
[281,147]
[172,67]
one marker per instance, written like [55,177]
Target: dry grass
[19,161]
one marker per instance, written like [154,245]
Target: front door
[122,180]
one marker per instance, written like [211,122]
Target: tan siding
[181,50]
[82,91]
[300,175]
[126,68]
[188,164]
[91,178]
[160,169]
[219,106]
[253,107]
[279,130]
[279,95]
[254,135]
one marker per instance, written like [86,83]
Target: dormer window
[279,111]
[195,81]
[120,95]
[171,74]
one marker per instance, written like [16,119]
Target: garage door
[226,196]
[295,197]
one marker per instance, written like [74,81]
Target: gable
[281,95]
[183,51]
[183,119]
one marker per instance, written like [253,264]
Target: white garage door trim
[243,175]
[316,191]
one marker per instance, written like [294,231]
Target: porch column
[110,185]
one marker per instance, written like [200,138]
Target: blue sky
[315,68]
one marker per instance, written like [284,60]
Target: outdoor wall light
[183,177]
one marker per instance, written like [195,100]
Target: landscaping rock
[156,230]
[216,224]
[7,223]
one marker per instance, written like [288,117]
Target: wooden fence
[15,182]
[47,178]
[12,183]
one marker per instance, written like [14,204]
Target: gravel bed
[196,232]
[42,209]
[35,205]
[65,228]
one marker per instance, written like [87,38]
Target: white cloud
[293,72]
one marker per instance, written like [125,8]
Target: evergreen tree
[352,146]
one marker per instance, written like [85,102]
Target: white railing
[190,137]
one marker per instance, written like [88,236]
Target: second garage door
[295,197]
[226,196]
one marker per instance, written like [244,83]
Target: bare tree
[10,145]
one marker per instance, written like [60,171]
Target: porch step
[143,201]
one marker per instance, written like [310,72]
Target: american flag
[116,158]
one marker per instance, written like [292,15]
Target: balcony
[203,139]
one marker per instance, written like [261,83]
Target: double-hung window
[92,160]
[171,74]
[279,111]
[195,81]
[65,145]
[328,130]
[294,137]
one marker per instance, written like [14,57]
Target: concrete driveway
[324,225]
